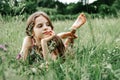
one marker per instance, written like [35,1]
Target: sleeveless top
[35,53]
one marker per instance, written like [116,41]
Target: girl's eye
[48,24]
[39,25]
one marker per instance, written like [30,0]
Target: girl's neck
[37,42]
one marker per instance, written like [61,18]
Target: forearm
[69,34]
[45,50]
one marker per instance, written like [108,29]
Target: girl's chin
[45,36]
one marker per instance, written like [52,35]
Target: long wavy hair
[31,23]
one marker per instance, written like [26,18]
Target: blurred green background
[95,55]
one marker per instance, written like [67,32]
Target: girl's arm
[45,50]
[27,43]
[44,45]
[69,36]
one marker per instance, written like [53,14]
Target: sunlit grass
[96,52]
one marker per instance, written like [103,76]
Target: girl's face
[42,28]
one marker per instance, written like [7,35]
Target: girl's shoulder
[27,41]
[27,38]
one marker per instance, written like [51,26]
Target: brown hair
[31,21]
[30,24]
[59,45]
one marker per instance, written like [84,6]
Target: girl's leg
[70,36]
[79,22]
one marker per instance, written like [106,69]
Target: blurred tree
[5,8]
[117,4]
[107,10]
[90,8]
[47,3]
[15,2]
[74,8]
[107,2]
[104,9]
[30,6]
[61,8]
[18,7]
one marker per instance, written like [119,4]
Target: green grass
[95,56]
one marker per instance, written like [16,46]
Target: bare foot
[79,21]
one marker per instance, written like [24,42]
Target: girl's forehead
[41,19]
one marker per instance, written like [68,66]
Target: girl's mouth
[47,32]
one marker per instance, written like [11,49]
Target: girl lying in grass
[42,41]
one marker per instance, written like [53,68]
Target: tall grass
[95,55]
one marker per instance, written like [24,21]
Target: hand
[51,35]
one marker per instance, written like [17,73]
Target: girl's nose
[45,28]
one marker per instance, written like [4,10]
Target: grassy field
[95,56]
